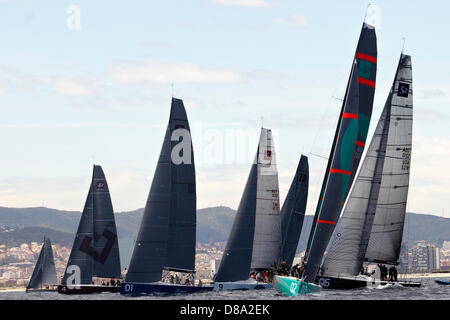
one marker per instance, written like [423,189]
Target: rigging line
[318,155]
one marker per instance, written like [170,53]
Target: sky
[84,82]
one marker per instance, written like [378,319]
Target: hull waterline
[87,289]
[348,283]
[136,289]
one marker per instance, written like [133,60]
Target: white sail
[267,237]
[387,230]
[371,226]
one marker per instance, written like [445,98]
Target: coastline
[12,289]
[424,275]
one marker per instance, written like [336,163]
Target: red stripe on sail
[327,222]
[350,115]
[360,143]
[340,171]
[366,82]
[366,57]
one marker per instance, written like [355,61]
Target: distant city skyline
[85,82]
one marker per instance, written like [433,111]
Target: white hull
[250,284]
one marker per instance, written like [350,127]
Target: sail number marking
[293,287]
[324,282]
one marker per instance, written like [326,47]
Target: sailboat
[254,242]
[167,235]
[44,273]
[345,155]
[293,212]
[94,262]
[371,226]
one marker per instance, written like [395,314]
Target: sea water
[428,291]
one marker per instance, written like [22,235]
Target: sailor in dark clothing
[393,273]
[383,272]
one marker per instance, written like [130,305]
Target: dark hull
[445,283]
[349,283]
[40,290]
[159,288]
[87,289]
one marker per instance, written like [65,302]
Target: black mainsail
[95,251]
[167,235]
[44,273]
[366,59]
[293,212]
[338,181]
[371,226]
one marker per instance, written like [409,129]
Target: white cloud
[16,81]
[167,73]
[295,20]
[245,3]
[74,87]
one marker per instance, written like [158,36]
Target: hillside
[213,224]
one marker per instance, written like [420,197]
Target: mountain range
[213,225]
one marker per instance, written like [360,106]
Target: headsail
[44,273]
[293,212]
[366,59]
[338,181]
[267,239]
[95,251]
[167,234]
[237,256]
[387,230]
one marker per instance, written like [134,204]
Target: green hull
[292,287]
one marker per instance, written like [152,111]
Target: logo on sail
[100,185]
[403,90]
[102,256]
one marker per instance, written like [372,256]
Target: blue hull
[442,282]
[128,288]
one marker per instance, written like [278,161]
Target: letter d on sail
[74,280]
[181,152]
